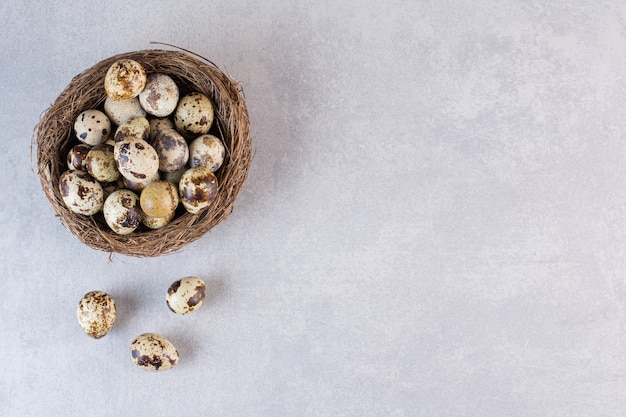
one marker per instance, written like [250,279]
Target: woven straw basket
[54,137]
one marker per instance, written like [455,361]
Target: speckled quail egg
[186,295]
[159,123]
[136,159]
[96,313]
[194,114]
[124,79]
[160,95]
[197,188]
[76,156]
[92,127]
[80,192]
[138,186]
[207,151]
[100,163]
[137,126]
[172,150]
[153,352]
[159,199]
[121,211]
[121,110]
[156,222]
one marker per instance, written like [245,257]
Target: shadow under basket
[54,137]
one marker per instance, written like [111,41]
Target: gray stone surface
[434,222]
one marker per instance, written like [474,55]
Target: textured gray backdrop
[434,222]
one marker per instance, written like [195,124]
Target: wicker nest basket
[54,137]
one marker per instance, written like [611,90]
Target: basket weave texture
[54,137]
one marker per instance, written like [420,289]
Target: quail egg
[194,114]
[137,126]
[136,159]
[121,110]
[76,156]
[172,150]
[80,192]
[207,151]
[160,95]
[186,295]
[159,199]
[155,223]
[197,188]
[159,123]
[96,313]
[121,211]
[124,79]
[153,352]
[92,127]
[100,163]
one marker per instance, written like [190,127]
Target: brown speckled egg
[137,126]
[172,150]
[92,127]
[121,211]
[124,79]
[159,199]
[159,123]
[194,114]
[156,222]
[76,156]
[160,95]
[186,295]
[100,163]
[121,110]
[80,192]
[197,188]
[207,151]
[136,159]
[153,352]
[96,313]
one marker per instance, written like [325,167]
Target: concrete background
[434,222]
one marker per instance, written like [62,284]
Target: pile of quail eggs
[96,313]
[144,153]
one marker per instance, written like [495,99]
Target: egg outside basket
[54,137]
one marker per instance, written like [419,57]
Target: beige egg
[159,199]
[194,114]
[172,150]
[137,126]
[153,352]
[121,110]
[96,313]
[207,151]
[76,156]
[186,295]
[159,123]
[121,211]
[92,127]
[136,159]
[197,189]
[156,222]
[138,186]
[124,79]
[160,95]
[80,192]
[100,163]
